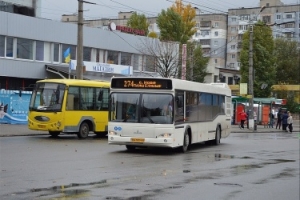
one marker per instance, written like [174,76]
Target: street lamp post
[251,92]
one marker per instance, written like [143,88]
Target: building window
[97,55]
[216,24]
[289,25]
[150,64]
[244,17]
[24,48]
[87,53]
[125,59]
[230,80]
[216,43]
[2,45]
[231,65]
[233,19]
[204,33]
[39,50]
[216,33]
[205,42]
[56,52]
[9,46]
[112,57]
[267,19]
[278,16]
[233,56]
[232,46]
[216,60]
[289,16]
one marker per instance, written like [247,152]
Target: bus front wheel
[83,130]
[54,133]
[186,142]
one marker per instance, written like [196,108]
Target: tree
[188,14]
[287,61]
[164,54]
[263,60]
[138,21]
[196,65]
[171,26]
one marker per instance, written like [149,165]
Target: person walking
[243,116]
[290,122]
[279,118]
[284,121]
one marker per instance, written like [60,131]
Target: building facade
[32,49]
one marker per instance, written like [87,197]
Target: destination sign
[142,83]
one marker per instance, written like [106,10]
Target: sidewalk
[22,130]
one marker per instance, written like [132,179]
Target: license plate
[42,126]
[138,140]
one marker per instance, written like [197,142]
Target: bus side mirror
[100,95]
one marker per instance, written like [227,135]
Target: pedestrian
[243,116]
[290,122]
[284,121]
[279,118]
[248,114]
[271,120]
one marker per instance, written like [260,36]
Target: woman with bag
[290,121]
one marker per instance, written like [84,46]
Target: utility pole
[79,67]
[251,93]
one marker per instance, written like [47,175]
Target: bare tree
[164,54]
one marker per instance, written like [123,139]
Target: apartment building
[283,19]
[211,34]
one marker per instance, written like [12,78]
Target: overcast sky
[53,9]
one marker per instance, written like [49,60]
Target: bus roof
[77,82]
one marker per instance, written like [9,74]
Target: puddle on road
[219,156]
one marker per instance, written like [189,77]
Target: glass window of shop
[2,45]
[112,57]
[9,47]
[24,48]
[125,58]
[87,53]
[39,52]
[136,59]
[150,64]
[55,52]
[72,51]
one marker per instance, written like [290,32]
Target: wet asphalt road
[244,166]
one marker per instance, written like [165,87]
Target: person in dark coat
[285,116]
[279,117]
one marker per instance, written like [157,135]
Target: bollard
[255,126]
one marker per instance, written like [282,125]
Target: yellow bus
[69,106]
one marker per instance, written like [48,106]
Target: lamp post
[251,92]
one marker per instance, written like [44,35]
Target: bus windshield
[47,97]
[141,108]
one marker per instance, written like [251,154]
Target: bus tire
[130,147]
[54,133]
[83,130]
[218,136]
[186,142]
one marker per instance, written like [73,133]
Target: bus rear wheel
[218,136]
[83,130]
[54,133]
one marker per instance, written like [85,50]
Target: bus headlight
[165,135]
[112,133]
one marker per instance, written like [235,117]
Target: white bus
[172,113]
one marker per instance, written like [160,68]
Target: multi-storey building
[283,19]
[211,34]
